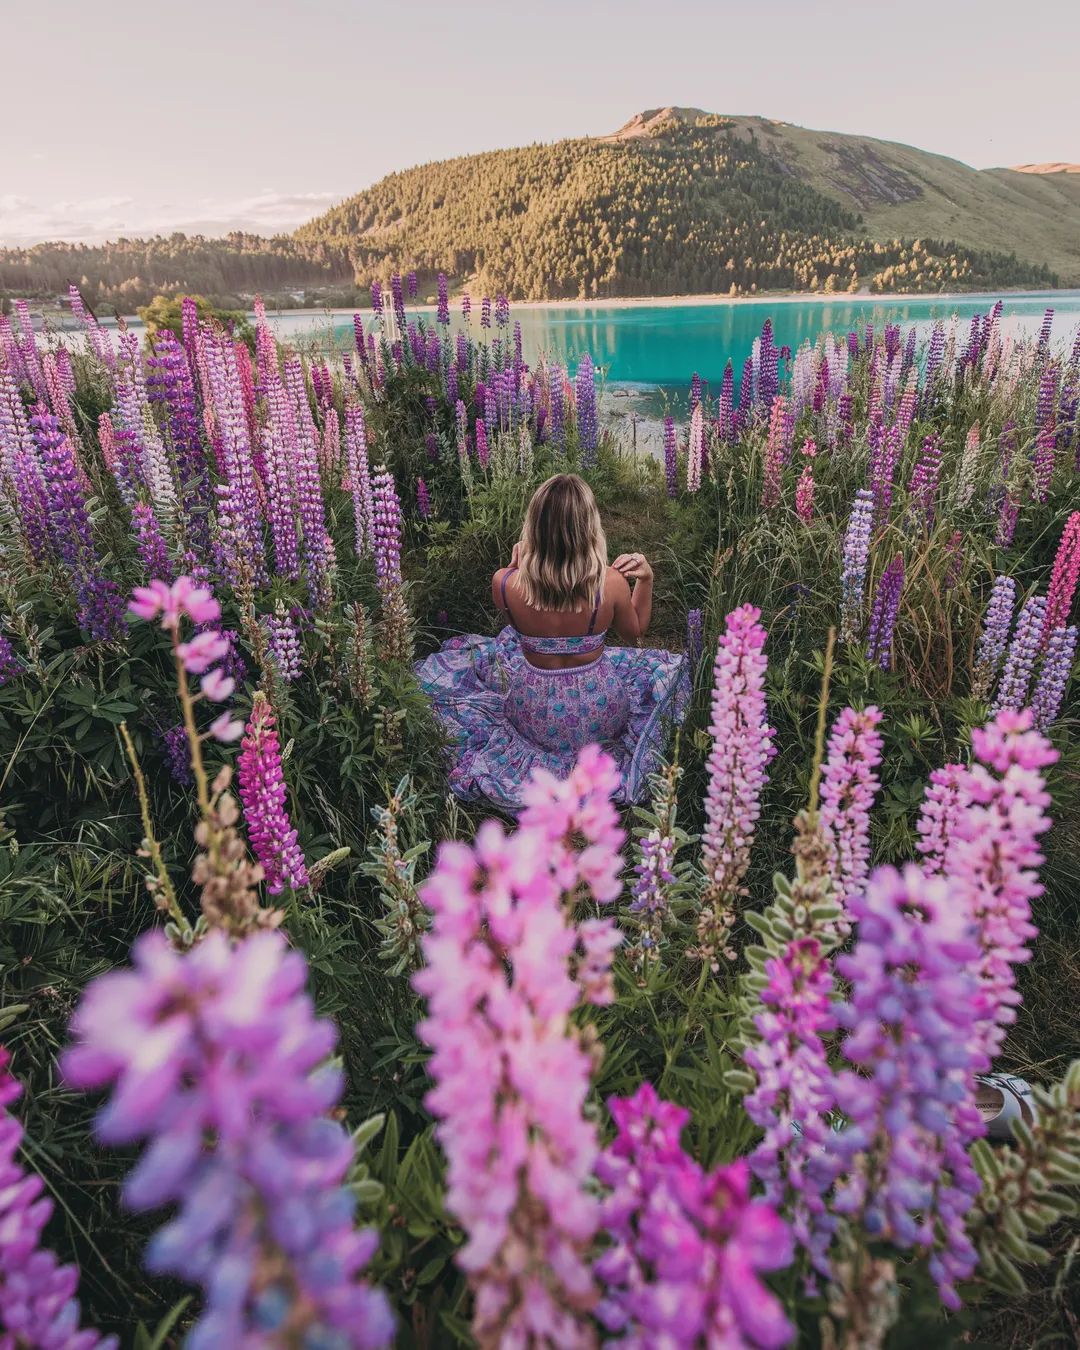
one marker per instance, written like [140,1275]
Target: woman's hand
[515,554]
[633,566]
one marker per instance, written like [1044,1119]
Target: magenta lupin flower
[848,786]
[689,1246]
[38,1307]
[1063,580]
[741,750]
[481,443]
[776,452]
[218,1062]
[261,784]
[510,1070]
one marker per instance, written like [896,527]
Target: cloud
[92,221]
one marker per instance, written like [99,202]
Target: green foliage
[166,311]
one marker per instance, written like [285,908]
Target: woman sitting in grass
[549,683]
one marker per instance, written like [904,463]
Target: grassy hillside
[907,192]
[678,201]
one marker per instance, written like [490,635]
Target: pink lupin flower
[993,857]
[742,748]
[804,491]
[511,1070]
[944,801]
[262,790]
[848,785]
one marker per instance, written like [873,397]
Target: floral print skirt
[505,717]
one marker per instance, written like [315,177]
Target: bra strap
[506,603]
[595,611]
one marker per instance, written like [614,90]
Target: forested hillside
[678,202]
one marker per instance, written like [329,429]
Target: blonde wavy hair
[563,558]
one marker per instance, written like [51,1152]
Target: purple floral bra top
[557,646]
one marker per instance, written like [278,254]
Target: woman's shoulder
[616,585]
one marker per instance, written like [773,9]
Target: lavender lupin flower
[387,532]
[284,643]
[423,501]
[994,637]
[944,801]
[1020,661]
[359,470]
[318,550]
[1054,676]
[856,556]
[235,1110]
[443,312]
[883,617]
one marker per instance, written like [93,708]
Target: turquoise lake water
[663,345]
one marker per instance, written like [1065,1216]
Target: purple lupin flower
[28,348]
[727,404]
[317,548]
[994,637]
[443,312]
[1043,460]
[423,502]
[855,558]
[238,508]
[100,608]
[695,390]
[883,617]
[237,1112]
[21,465]
[485,312]
[178,755]
[502,311]
[1020,661]
[387,531]
[412,285]
[466,307]
[1054,676]
[133,405]
[905,1173]
[10,665]
[377,299]
[922,490]
[585,411]
[848,785]
[671,464]
[177,392]
[885,453]
[261,784]
[38,1307]
[152,549]
[695,643]
[558,409]
[278,435]
[481,443]
[1045,330]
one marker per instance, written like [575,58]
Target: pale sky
[205,115]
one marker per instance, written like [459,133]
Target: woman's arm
[635,567]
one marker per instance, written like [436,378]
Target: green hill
[678,201]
